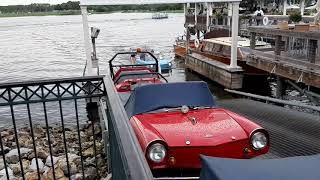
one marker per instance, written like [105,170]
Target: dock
[296,54]
[216,71]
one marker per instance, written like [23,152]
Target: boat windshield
[154,97]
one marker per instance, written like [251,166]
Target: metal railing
[50,129]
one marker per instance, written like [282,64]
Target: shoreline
[75,12]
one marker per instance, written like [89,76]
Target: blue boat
[165,63]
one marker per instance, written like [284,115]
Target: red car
[175,123]
[127,77]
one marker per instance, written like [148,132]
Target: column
[86,36]
[302,6]
[235,29]
[284,7]
[277,48]
[208,16]
[229,13]
[195,12]
[185,8]
[312,50]
[253,40]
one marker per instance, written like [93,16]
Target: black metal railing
[127,159]
[51,129]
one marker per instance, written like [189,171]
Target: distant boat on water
[160,15]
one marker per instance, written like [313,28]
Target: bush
[295,17]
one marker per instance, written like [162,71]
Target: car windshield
[154,97]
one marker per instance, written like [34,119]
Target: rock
[26,142]
[39,131]
[58,149]
[1,163]
[72,168]
[26,165]
[3,174]
[48,175]
[42,153]
[89,152]
[31,176]
[33,165]
[5,133]
[91,173]
[13,157]
[90,162]
[5,150]
[77,176]
[48,161]
[16,169]
[74,158]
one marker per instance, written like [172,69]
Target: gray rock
[33,165]
[5,150]
[13,157]
[4,175]
[72,168]
[48,161]
[16,169]
[91,173]
[77,176]
[1,164]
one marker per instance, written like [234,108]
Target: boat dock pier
[296,55]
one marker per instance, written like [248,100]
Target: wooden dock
[295,56]
[217,71]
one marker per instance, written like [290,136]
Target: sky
[24,2]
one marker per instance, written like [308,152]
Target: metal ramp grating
[292,133]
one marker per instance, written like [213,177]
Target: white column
[195,12]
[86,35]
[208,15]
[284,7]
[229,13]
[235,29]
[302,6]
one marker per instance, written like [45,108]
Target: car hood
[207,127]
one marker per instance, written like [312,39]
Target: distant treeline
[74,5]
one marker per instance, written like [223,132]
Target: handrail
[121,53]
[278,58]
[269,99]
[127,158]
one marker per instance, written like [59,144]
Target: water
[52,47]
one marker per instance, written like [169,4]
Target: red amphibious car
[127,77]
[175,123]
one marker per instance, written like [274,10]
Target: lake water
[52,46]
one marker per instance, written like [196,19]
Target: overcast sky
[23,2]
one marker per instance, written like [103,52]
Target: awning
[137,2]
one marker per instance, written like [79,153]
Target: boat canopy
[293,168]
[137,2]
[157,96]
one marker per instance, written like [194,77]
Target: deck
[296,55]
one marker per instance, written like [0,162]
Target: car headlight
[157,152]
[170,64]
[259,140]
